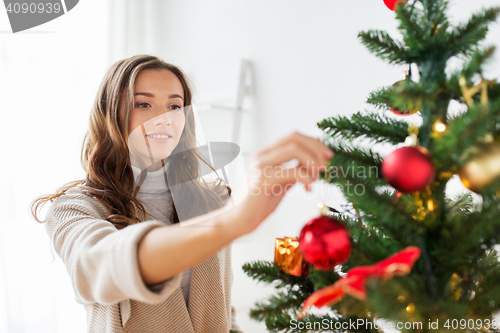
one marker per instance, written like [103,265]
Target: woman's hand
[269,181]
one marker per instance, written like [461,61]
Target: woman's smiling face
[157,120]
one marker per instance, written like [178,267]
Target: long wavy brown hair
[105,153]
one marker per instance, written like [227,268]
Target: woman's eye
[175,107]
[142,105]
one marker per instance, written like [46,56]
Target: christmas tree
[424,260]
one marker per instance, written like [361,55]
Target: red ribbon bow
[353,283]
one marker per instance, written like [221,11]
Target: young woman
[117,231]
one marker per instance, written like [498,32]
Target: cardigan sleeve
[100,259]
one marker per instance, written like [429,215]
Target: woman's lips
[162,138]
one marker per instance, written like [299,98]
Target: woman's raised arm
[166,251]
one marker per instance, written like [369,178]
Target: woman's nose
[162,119]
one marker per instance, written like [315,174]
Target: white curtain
[48,79]
[137,27]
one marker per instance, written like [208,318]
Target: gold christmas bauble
[483,169]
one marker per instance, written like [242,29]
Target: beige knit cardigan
[102,264]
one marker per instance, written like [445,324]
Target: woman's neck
[152,182]
[153,167]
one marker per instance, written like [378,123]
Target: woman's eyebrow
[151,95]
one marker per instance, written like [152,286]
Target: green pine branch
[268,272]
[477,61]
[321,279]
[464,38]
[403,96]
[391,219]
[486,294]
[473,65]
[463,132]
[381,99]
[483,227]
[367,245]
[359,163]
[473,230]
[434,12]
[289,301]
[461,204]
[494,93]
[412,27]
[389,299]
[385,47]
[372,126]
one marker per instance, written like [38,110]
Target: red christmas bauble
[391,4]
[396,110]
[399,113]
[409,169]
[324,242]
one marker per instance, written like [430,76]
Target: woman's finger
[291,176]
[315,146]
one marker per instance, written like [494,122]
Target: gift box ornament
[288,258]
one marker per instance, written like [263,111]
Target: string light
[410,308]
[323,209]
[440,127]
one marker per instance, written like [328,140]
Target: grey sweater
[102,264]
[157,200]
